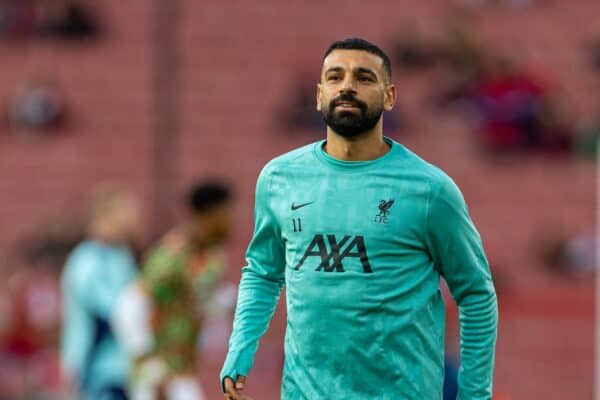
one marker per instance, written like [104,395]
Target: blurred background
[503,95]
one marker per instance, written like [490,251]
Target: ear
[319,104]
[390,97]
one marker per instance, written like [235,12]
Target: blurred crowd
[63,19]
[37,105]
[510,107]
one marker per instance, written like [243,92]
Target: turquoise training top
[360,247]
[94,277]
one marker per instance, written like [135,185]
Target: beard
[349,124]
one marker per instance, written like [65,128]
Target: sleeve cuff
[236,363]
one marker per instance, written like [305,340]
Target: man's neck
[364,147]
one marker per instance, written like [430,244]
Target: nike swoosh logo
[297,206]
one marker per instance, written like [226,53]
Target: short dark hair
[205,195]
[355,43]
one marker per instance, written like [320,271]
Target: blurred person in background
[17,18]
[162,315]
[38,105]
[67,19]
[514,110]
[569,254]
[97,270]
[585,143]
[35,325]
[36,293]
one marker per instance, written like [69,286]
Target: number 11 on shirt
[297,224]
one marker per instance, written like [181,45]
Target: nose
[348,85]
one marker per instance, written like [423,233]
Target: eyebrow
[359,70]
[334,69]
[362,70]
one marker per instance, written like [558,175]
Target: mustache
[347,98]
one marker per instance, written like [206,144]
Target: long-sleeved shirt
[360,247]
[95,275]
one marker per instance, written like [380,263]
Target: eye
[333,78]
[365,79]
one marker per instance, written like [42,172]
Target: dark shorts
[108,393]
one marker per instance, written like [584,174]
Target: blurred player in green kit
[161,316]
[359,230]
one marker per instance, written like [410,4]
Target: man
[359,230]
[95,274]
[162,315]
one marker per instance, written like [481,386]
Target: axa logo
[331,253]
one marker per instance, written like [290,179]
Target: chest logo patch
[384,211]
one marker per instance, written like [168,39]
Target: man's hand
[233,391]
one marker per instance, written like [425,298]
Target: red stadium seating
[238,61]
